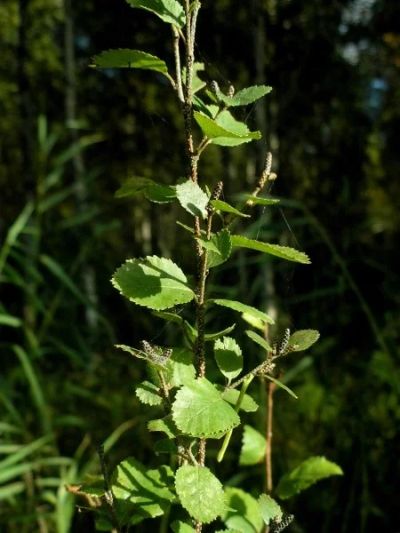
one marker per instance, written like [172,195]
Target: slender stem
[178,67]
[239,401]
[268,439]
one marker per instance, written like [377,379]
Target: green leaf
[219,205]
[192,198]
[148,393]
[253,447]
[170,11]
[200,411]
[163,425]
[270,510]
[302,339]
[281,386]
[180,368]
[181,527]
[200,493]
[243,512]
[208,337]
[248,405]
[243,308]
[219,134]
[259,340]
[125,58]
[256,323]
[245,96]
[219,248]
[259,200]
[229,357]
[290,254]
[147,489]
[155,192]
[10,320]
[306,474]
[154,282]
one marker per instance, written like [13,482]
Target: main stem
[201,254]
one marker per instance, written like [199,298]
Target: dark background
[70,135]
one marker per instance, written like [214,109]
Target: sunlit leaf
[153,282]
[270,510]
[243,308]
[290,254]
[253,446]
[170,11]
[259,340]
[200,493]
[192,198]
[200,411]
[148,393]
[248,405]
[229,357]
[125,58]
[220,205]
[245,96]
[219,248]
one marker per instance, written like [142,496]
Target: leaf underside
[125,58]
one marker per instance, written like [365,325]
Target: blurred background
[70,135]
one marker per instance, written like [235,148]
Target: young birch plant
[192,410]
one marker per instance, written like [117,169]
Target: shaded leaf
[170,11]
[200,411]
[282,386]
[181,527]
[125,58]
[192,198]
[259,200]
[243,512]
[303,339]
[208,337]
[200,492]
[229,357]
[305,475]
[290,254]
[163,425]
[219,248]
[153,282]
[243,308]
[155,192]
[253,446]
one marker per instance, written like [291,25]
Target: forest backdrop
[70,135]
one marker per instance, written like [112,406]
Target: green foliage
[124,58]
[200,492]
[141,493]
[192,198]
[270,510]
[170,11]
[243,512]
[228,355]
[284,252]
[200,411]
[154,282]
[194,408]
[306,474]
[253,446]
[303,339]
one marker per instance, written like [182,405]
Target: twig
[268,436]
[178,67]
[108,493]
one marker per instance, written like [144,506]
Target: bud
[214,87]
[231,91]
